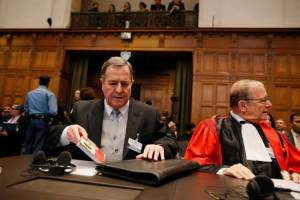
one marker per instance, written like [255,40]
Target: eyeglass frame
[260,100]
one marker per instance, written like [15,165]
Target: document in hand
[91,150]
[148,172]
[10,127]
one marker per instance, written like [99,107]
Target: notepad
[91,150]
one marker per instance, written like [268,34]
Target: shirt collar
[42,87]
[236,117]
[295,134]
[108,109]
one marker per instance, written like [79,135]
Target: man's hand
[295,177]
[74,133]
[4,133]
[152,152]
[239,171]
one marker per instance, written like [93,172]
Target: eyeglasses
[260,100]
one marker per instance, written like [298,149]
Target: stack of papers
[288,185]
[84,168]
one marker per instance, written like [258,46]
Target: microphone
[260,187]
[64,159]
[39,158]
[61,166]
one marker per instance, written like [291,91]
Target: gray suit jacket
[290,137]
[142,119]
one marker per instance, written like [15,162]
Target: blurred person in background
[13,137]
[280,125]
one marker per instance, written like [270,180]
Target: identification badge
[270,151]
[134,145]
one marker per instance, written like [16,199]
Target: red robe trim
[205,147]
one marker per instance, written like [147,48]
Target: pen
[214,196]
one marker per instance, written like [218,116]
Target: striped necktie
[116,115]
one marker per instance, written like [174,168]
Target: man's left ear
[242,105]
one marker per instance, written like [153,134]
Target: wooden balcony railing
[187,19]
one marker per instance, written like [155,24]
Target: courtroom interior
[179,60]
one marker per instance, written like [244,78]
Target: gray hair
[116,62]
[240,90]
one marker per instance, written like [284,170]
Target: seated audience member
[280,125]
[75,98]
[14,137]
[270,120]
[143,7]
[87,93]
[172,129]
[127,7]
[157,6]
[188,132]
[115,121]
[77,95]
[294,134]
[164,117]
[243,145]
[175,6]
[94,8]
[5,113]
[111,8]
[185,137]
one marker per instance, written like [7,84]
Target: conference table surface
[17,183]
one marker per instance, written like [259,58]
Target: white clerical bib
[254,146]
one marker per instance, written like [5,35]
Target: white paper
[84,168]
[286,184]
[296,195]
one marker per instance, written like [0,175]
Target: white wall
[34,13]
[249,13]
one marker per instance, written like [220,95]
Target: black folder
[10,127]
[148,172]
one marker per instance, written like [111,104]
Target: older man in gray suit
[123,127]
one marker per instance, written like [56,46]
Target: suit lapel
[291,138]
[95,120]
[135,116]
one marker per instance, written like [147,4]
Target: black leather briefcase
[148,172]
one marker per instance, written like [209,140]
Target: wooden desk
[190,187]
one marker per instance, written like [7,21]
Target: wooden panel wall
[220,58]
[158,89]
[244,56]
[23,58]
